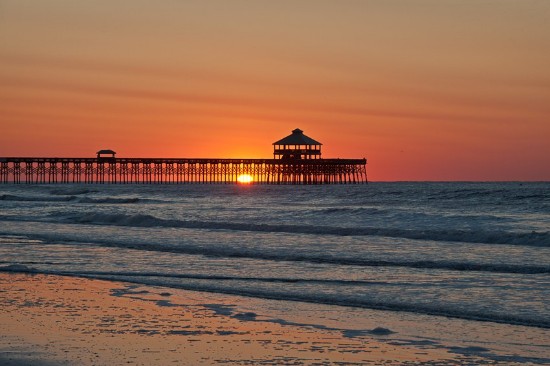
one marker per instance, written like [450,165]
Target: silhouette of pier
[297,160]
[154,170]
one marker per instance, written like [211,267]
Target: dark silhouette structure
[297,146]
[297,160]
[110,154]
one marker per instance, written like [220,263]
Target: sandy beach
[56,320]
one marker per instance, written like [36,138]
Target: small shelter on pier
[297,146]
[106,154]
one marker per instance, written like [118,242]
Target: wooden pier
[156,171]
[296,160]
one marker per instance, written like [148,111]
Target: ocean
[459,265]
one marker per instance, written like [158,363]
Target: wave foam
[317,298]
[227,251]
[10,197]
[539,239]
[72,198]
[109,200]
[71,191]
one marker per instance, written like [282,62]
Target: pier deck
[34,170]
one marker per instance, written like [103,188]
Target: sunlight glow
[244,179]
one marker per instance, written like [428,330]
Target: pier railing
[33,170]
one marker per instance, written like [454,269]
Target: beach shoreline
[60,320]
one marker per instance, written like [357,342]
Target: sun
[245,179]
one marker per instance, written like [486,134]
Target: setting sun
[244,178]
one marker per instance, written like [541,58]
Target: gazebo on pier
[297,146]
[106,154]
[102,153]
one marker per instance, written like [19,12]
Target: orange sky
[425,89]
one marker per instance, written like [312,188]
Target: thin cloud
[244,102]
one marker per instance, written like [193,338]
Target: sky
[432,90]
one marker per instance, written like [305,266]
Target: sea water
[449,261]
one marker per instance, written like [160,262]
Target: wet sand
[56,320]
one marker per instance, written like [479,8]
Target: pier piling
[33,170]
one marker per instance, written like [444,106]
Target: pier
[297,160]
[154,170]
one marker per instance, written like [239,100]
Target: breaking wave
[71,191]
[367,302]
[109,200]
[352,210]
[538,239]
[294,255]
[10,197]
[72,198]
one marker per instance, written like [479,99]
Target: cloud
[243,102]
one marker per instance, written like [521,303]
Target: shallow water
[467,251]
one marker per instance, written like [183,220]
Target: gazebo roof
[297,138]
[106,152]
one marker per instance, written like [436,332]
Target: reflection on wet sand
[68,320]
